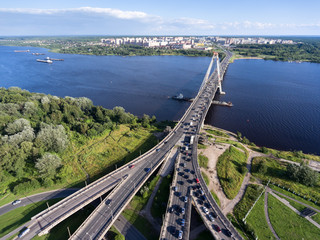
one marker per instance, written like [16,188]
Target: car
[213,214]
[165,142]
[217,228]
[131,166]
[180,234]
[185,199]
[182,164]
[158,149]
[203,197]
[197,180]
[200,202]
[175,188]
[182,222]
[200,191]
[187,170]
[182,210]
[24,232]
[186,176]
[178,169]
[205,210]
[207,205]
[228,233]
[171,210]
[211,218]
[195,194]
[180,173]
[108,201]
[15,202]
[147,169]
[192,172]
[181,182]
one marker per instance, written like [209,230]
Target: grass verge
[231,169]
[288,224]
[203,161]
[217,133]
[215,198]
[205,178]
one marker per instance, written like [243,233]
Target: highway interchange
[127,180]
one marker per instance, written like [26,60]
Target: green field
[231,169]
[288,224]
[257,220]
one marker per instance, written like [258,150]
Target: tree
[17,126]
[48,164]
[52,138]
[119,237]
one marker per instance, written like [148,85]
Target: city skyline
[162,18]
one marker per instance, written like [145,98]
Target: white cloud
[104,11]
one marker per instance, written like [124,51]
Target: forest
[44,138]
[308,51]
[133,50]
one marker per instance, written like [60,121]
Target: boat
[180,97]
[21,50]
[37,54]
[44,60]
[222,103]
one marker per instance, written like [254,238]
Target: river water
[276,104]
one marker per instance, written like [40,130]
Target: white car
[15,202]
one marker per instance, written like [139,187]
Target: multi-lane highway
[189,181]
[129,179]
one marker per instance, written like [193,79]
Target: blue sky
[160,17]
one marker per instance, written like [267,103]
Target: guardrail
[118,212]
[171,194]
[221,216]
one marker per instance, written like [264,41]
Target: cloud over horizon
[93,20]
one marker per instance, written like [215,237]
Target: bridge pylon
[218,71]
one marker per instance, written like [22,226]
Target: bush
[26,187]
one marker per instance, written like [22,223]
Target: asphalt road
[102,218]
[61,193]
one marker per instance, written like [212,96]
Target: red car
[197,180]
[131,166]
[217,228]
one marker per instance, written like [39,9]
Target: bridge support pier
[219,75]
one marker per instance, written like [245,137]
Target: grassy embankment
[98,156]
[288,224]
[241,209]
[131,213]
[160,201]
[231,169]
[276,172]
[257,220]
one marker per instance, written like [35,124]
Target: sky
[160,17]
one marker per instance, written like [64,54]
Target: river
[276,104]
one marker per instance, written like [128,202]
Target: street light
[89,235]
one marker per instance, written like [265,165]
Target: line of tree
[133,50]
[308,51]
[35,130]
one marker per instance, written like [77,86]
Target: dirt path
[213,152]
[266,213]
[244,184]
